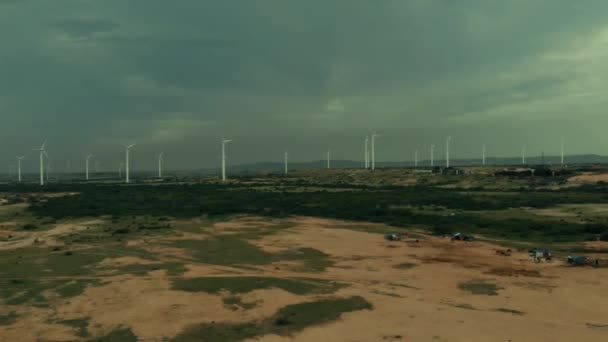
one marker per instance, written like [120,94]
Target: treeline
[386,205]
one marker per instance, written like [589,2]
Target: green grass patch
[8,319]
[171,268]
[75,288]
[26,273]
[81,325]
[231,250]
[119,335]
[511,311]
[480,288]
[463,306]
[237,285]
[288,320]
[405,266]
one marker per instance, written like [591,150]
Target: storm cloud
[177,76]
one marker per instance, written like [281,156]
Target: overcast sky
[176,76]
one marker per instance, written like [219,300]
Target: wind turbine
[127,150]
[416,158]
[432,155]
[48,166]
[224,142]
[447,151]
[483,155]
[328,159]
[563,143]
[366,152]
[161,159]
[286,162]
[19,159]
[42,154]
[87,166]
[374,136]
[523,155]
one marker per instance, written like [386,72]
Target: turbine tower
[48,167]
[286,162]
[127,150]
[374,136]
[432,155]
[563,143]
[87,166]
[447,151]
[483,155]
[416,158]
[523,155]
[224,142]
[19,159]
[328,159]
[366,152]
[42,151]
[161,159]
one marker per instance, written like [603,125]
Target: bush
[30,226]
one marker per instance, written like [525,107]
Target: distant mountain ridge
[349,164]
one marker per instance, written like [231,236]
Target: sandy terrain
[47,237]
[545,301]
[588,177]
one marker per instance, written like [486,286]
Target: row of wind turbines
[370,153]
[369,158]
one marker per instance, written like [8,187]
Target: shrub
[30,226]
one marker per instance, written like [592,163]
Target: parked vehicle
[392,237]
[462,237]
[577,260]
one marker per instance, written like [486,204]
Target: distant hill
[349,164]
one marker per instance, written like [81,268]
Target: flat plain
[74,266]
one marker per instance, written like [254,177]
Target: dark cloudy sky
[176,76]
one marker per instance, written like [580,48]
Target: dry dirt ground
[588,177]
[422,301]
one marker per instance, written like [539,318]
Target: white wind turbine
[366,152]
[374,136]
[87,166]
[447,151]
[483,155]
[523,155]
[19,159]
[224,142]
[127,150]
[432,155]
[328,159]
[161,159]
[563,143]
[286,162]
[48,166]
[416,158]
[42,151]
